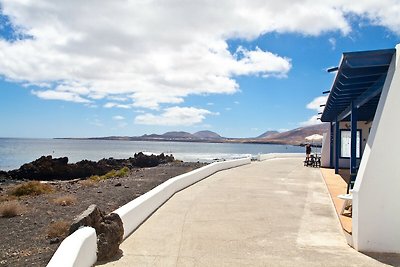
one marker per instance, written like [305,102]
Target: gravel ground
[24,238]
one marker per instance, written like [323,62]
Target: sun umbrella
[314,138]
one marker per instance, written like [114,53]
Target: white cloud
[116,105]
[315,105]
[311,121]
[175,116]
[384,12]
[118,118]
[332,41]
[260,62]
[57,95]
[147,53]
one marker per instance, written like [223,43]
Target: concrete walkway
[271,213]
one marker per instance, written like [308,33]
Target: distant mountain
[293,137]
[297,136]
[201,136]
[207,135]
[267,134]
[181,135]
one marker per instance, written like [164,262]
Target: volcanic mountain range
[292,137]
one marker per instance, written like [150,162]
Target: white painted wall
[80,248]
[326,150]
[77,250]
[376,195]
[136,211]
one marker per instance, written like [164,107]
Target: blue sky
[153,67]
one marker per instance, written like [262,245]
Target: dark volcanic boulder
[47,168]
[44,168]
[109,229]
[4,175]
[141,160]
[90,217]
[109,236]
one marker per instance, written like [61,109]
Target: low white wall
[261,157]
[136,211]
[78,249]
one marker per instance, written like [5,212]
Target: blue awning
[359,79]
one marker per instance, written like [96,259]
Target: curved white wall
[77,250]
[136,211]
[80,248]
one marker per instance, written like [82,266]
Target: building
[363,109]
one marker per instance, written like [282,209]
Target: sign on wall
[345,148]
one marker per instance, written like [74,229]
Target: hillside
[180,135]
[207,135]
[292,137]
[297,136]
[267,134]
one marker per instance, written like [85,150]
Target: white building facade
[363,108]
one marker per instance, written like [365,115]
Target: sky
[238,68]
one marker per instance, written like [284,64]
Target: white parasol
[314,138]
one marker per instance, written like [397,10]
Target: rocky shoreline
[32,237]
[46,168]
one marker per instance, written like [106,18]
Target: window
[345,137]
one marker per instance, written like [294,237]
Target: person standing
[308,152]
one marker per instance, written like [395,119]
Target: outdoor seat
[347,204]
[309,162]
[317,162]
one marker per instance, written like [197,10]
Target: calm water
[15,152]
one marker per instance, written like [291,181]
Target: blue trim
[353,146]
[359,79]
[331,146]
[337,146]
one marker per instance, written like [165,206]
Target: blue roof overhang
[359,80]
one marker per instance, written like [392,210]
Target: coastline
[16,152]
[208,141]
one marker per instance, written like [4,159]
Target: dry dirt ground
[24,239]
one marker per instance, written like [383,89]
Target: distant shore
[210,141]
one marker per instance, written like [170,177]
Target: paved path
[271,213]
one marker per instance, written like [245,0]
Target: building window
[345,137]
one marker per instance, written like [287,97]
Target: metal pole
[337,145]
[331,146]
[353,146]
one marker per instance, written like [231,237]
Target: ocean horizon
[15,152]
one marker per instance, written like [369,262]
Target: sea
[16,151]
